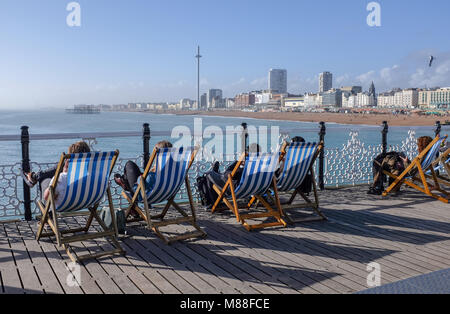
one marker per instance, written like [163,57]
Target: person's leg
[377,186]
[131,174]
[43,175]
[216,178]
[43,185]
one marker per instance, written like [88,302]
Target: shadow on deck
[408,235]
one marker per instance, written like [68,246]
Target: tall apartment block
[325,82]
[278,81]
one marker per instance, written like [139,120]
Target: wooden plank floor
[408,235]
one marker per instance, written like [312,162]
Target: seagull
[431,61]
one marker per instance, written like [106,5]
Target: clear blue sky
[143,50]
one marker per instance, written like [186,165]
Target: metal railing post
[146,141]
[322,133]
[438,128]
[384,134]
[25,141]
[244,138]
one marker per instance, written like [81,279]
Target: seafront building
[277,81]
[332,98]
[293,103]
[437,98]
[214,98]
[398,98]
[244,100]
[325,82]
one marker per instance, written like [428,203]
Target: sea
[162,125]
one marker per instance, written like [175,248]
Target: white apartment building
[185,103]
[357,101]
[230,103]
[407,98]
[435,98]
[262,98]
[294,102]
[312,100]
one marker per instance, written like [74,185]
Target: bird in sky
[431,61]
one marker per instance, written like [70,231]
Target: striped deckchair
[298,161]
[418,167]
[87,183]
[257,178]
[441,167]
[171,171]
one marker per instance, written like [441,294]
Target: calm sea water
[60,122]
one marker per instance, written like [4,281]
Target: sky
[144,50]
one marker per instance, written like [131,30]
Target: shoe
[373,191]
[120,182]
[28,179]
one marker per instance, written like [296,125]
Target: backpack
[306,186]
[207,194]
[105,215]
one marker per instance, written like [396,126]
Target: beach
[341,118]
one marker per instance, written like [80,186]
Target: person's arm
[46,194]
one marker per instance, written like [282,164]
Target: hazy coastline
[340,118]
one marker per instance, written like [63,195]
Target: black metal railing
[146,134]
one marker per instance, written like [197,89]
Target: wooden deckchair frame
[50,217]
[144,213]
[234,206]
[421,178]
[314,204]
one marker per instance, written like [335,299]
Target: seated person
[60,190]
[129,180]
[219,179]
[306,186]
[395,163]
[33,178]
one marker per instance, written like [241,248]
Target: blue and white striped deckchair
[297,162]
[257,177]
[171,171]
[86,185]
[419,166]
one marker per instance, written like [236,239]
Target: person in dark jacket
[395,163]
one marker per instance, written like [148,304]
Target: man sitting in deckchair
[160,183]
[296,177]
[131,174]
[416,173]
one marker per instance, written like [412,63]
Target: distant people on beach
[395,163]
[45,178]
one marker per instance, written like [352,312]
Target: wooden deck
[408,235]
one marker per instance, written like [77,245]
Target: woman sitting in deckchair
[44,177]
[393,162]
[77,148]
